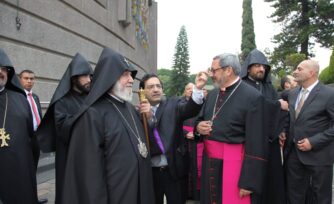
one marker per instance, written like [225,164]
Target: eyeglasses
[151,86]
[213,70]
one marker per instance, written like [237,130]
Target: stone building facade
[44,35]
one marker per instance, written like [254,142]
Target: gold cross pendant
[3,137]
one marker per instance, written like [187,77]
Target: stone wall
[53,31]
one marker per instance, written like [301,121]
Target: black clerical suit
[34,142]
[53,132]
[240,121]
[315,122]
[170,179]
[17,169]
[193,146]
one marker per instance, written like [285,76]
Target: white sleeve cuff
[197,96]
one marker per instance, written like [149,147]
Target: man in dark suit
[310,146]
[167,144]
[27,80]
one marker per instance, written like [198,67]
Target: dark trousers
[165,185]
[298,181]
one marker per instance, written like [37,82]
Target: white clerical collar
[235,81]
[3,88]
[116,97]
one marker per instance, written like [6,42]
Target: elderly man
[235,146]
[310,144]
[108,160]
[18,171]
[65,103]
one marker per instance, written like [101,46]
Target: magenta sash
[232,154]
[188,128]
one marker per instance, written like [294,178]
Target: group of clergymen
[242,143]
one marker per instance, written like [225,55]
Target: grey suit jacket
[315,122]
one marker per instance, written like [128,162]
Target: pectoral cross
[3,137]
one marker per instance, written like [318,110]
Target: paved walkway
[46,189]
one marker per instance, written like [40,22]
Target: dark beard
[83,88]
[256,77]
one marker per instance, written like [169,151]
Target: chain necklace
[141,145]
[214,112]
[3,135]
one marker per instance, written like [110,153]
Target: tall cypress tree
[248,35]
[180,72]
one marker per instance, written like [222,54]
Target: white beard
[124,93]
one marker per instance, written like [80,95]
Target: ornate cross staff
[142,98]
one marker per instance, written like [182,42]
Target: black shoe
[43,200]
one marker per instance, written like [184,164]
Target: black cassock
[17,169]
[240,121]
[104,164]
[54,131]
[193,183]
[276,120]
[64,110]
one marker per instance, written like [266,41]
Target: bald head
[306,73]
[311,65]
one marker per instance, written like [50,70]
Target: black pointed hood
[13,82]
[46,132]
[109,69]
[255,57]
[78,66]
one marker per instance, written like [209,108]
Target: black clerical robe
[276,120]
[195,149]
[240,121]
[104,165]
[17,169]
[64,110]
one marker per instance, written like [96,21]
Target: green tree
[327,75]
[292,61]
[304,23]
[180,71]
[165,75]
[248,35]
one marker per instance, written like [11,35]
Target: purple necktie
[158,140]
